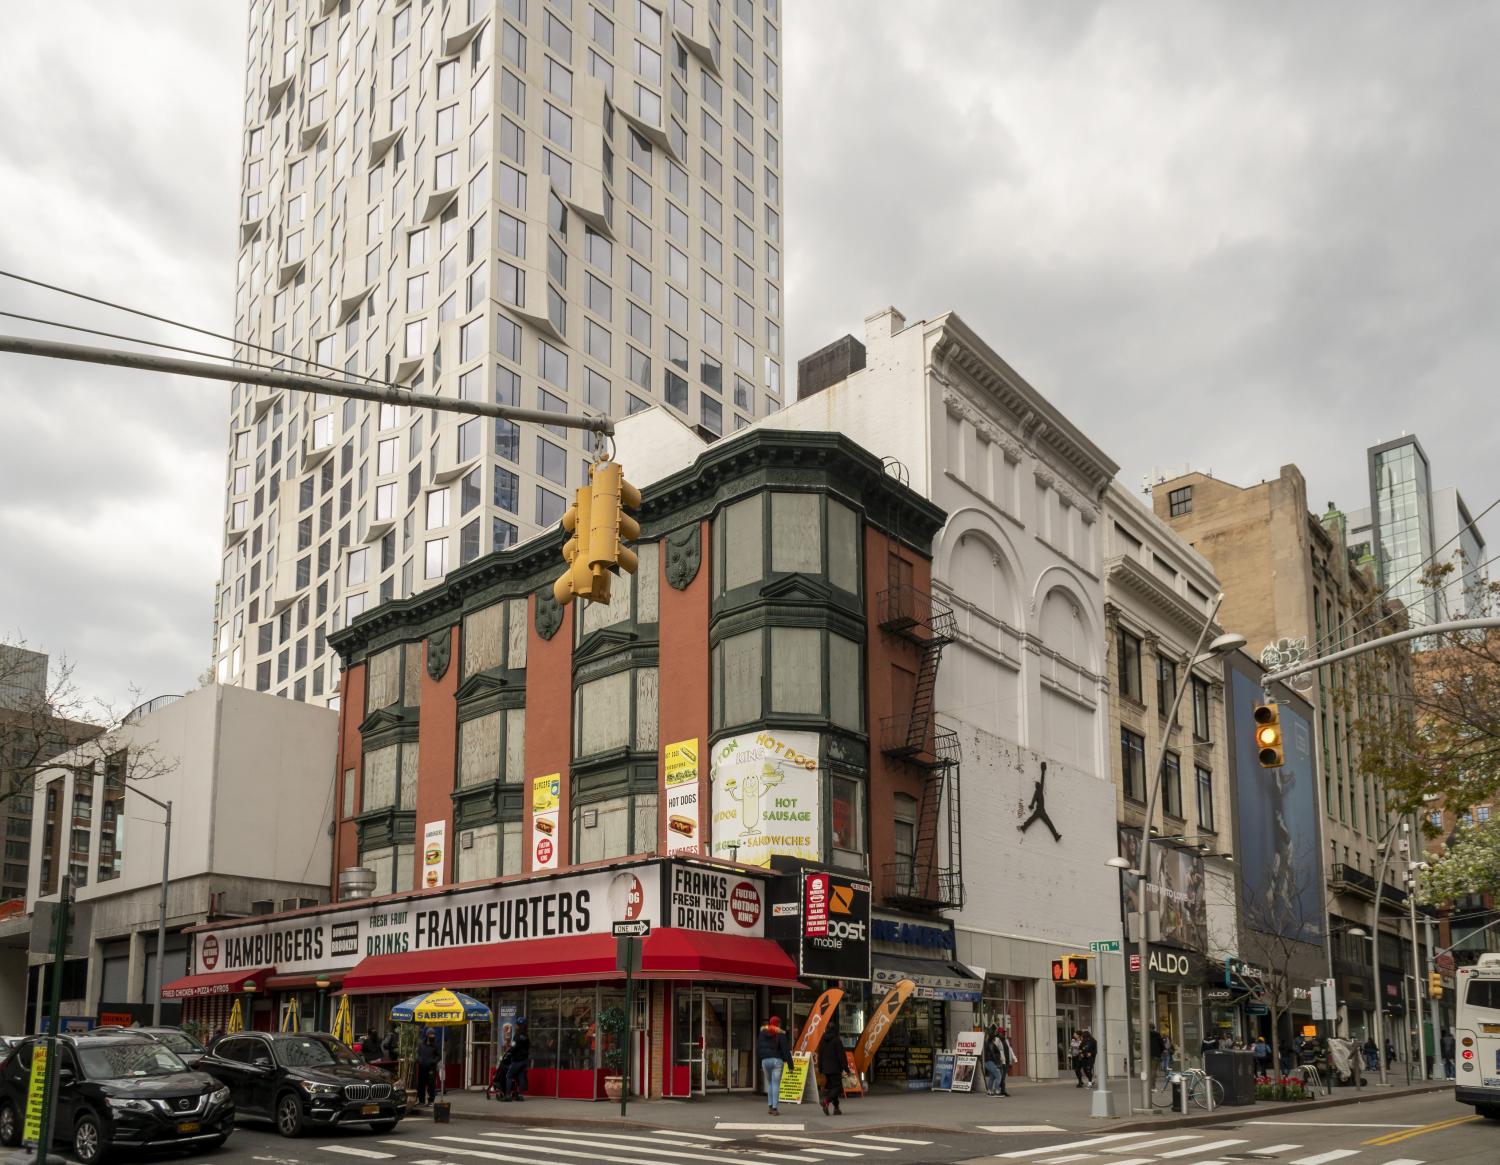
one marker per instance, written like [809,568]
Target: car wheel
[289,1115]
[10,1125]
[382,1126]
[1491,1111]
[90,1145]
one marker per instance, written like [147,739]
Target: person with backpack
[1088,1054]
[999,1055]
[774,1051]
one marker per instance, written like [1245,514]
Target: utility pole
[54,1010]
[1416,969]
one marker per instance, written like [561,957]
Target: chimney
[883,325]
[829,365]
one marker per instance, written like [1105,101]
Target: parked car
[303,1080]
[119,1090]
[178,1040]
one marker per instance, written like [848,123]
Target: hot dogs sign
[766,797]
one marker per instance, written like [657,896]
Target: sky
[1218,235]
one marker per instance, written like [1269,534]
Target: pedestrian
[999,1055]
[1166,1053]
[516,1081]
[427,1067]
[1447,1048]
[1226,1043]
[1088,1054]
[1075,1057]
[391,1045]
[1210,1044]
[369,1048]
[1372,1054]
[1158,1051]
[1390,1052]
[774,1051]
[1262,1052]
[832,1060]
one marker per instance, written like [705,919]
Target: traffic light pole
[54,1010]
[296,382]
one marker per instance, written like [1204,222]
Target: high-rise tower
[572,205]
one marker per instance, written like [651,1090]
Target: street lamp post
[1376,986]
[1220,646]
[161,921]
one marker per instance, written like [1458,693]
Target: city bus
[1477,1030]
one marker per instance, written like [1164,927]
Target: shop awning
[669,953]
[219,983]
[935,978]
[304,981]
[540,960]
[696,954]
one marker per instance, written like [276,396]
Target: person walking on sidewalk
[1088,1053]
[999,1055]
[427,1067]
[774,1052]
[1075,1057]
[832,1060]
[1447,1048]
[1158,1052]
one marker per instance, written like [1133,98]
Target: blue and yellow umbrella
[441,1009]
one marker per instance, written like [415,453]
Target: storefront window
[576,1032]
[542,1023]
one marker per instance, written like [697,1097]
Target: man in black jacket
[520,1060]
[832,1061]
[428,1055]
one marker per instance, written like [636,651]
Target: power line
[1330,636]
[186,327]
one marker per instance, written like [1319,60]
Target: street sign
[638,929]
[1105,946]
[1135,963]
[1257,1009]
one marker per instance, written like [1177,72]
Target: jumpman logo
[1038,806]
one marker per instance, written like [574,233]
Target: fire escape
[931,877]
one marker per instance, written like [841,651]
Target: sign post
[46,1103]
[1103,1104]
[628,939]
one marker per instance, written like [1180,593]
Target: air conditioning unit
[264,906]
[285,904]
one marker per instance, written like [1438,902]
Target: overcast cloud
[1229,235]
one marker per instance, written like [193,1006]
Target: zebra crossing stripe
[1092,1141]
[355,1151]
[1211,1147]
[1324,1158]
[889,1140]
[696,1136]
[819,1141]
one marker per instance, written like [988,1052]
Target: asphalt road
[1421,1130]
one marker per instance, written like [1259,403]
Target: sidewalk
[1056,1105]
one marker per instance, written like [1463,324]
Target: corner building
[516,776]
[563,205]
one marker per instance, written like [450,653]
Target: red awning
[673,953]
[300,982]
[219,983]
[669,953]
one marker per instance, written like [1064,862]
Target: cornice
[1130,576]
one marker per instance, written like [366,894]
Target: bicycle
[1202,1089]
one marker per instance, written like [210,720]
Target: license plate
[371,1109]
[188,1127]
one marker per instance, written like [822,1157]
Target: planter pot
[614,1087]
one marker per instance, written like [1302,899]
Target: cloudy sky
[1225,235]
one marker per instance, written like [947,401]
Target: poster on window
[546,797]
[680,776]
[434,848]
[765,797]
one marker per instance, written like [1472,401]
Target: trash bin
[1236,1072]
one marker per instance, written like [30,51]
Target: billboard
[766,797]
[1176,890]
[1277,849]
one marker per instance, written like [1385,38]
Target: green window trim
[748,556]
[841,705]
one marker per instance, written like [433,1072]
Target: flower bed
[1281,1088]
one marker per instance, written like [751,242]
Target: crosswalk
[1143,1148]
[554,1146]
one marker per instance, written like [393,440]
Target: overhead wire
[191,328]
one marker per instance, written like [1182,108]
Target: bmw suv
[119,1091]
[303,1080]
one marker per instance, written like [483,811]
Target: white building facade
[250,781]
[1023,683]
[553,204]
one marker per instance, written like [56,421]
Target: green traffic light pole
[54,1007]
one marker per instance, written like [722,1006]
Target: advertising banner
[680,781]
[794,1078]
[574,904]
[1276,849]
[36,1094]
[1177,890]
[766,797]
[434,847]
[836,943]
[546,798]
[713,901]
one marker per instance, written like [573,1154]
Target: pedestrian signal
[1070,970]
[1268,743]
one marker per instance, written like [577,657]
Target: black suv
[301,1080]
[189,1049]
[119,1090]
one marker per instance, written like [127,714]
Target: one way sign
[638,929]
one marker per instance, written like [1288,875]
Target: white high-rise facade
[572,205]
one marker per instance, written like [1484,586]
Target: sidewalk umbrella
[291,1016]
[441,1009]
[236,1019]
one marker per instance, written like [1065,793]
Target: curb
[1236,1114]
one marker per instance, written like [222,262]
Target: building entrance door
[721,1043]
[1072,1016]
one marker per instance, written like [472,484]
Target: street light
[1222,645]
[161,921]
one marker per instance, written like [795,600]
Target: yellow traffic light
[577,582]
[610,527]
[1435,984]
[1268,743]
